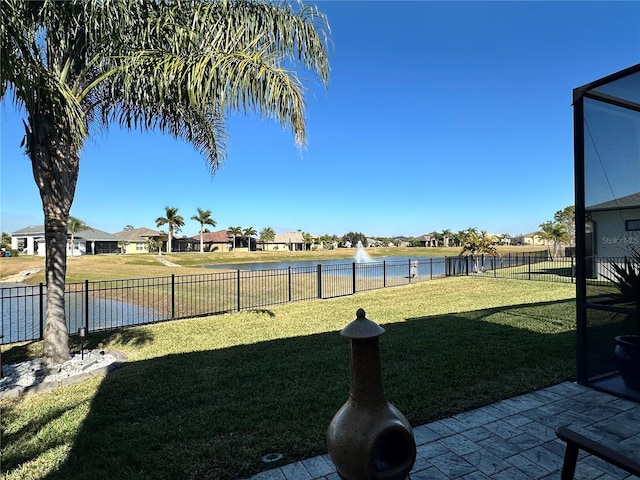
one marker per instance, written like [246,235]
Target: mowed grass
[206,398]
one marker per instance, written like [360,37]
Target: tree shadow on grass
[24,351]
[213,414]
[134,337]
[558,271]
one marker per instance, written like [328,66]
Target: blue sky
[438,115]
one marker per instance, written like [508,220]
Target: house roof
[288,237]
[91,234]
[28,231]
[221,236]
[138,234]
[96,235]
[628,201]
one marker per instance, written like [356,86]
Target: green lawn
[208,397]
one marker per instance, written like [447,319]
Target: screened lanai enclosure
[607,186]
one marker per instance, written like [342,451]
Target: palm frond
[625,277]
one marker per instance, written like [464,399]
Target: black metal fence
[529,266]
[112,304]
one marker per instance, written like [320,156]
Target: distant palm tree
[247,232]
[235,231]
[267,235]
[555,232]
[75,225]
[325,241]
[6,240]
[479,244]
[307,239]
[174,223]
[204,218]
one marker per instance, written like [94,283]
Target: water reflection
[21,307]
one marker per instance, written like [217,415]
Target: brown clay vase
[369,439]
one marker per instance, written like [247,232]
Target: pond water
[20,312]
[390,261]
[386,267]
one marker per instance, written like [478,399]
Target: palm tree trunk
[55,169]
[56,335]
[169,235]
[201,241]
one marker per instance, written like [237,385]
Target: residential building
[219,241]
[137,240]
[31,241]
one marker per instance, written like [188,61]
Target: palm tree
[267,235]
[555,232]
[6,240]
[204,218]
[174,223]
[247,232]
[74,226]
[235,231]
[479,244]
[178,67]
[307,239]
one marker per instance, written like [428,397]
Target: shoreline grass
[208,397]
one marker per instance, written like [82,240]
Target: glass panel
[612,178]
[627,88]
[612,156]
[633,225]
[602,327]
[611,224]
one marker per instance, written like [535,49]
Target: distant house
[501,238]
[427,241]
[219,241]
[289,241]
[137,240]
[31,241]
[533,239]
[372,242]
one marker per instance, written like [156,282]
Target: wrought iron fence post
[319,274]
[430,268]
[289,275]
[384,274]
[573,269]
[353,277]
[409,275]
[41,313]
[238,288]
[529,266]
[86,306]
[173,295]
